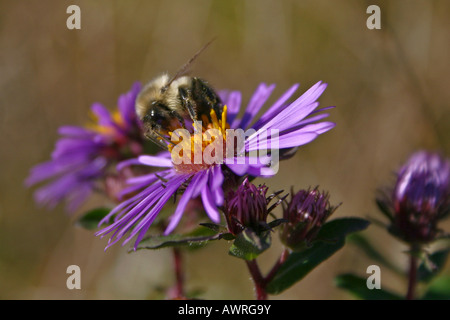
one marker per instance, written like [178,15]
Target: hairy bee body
[166,104]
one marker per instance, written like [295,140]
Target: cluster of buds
[303,215]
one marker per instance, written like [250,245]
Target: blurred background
[390,87]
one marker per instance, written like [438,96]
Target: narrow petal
[104,116]
[155,161]
[145,223]
[256,102]
[200,183]
[294,139]
[126,104]
[232,100]
[75,131]
[216,181]
[285,120]
[187,195]
[210,206]
[276,107]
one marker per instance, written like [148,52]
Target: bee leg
[180,119]
[201,91]
[156,138]
[188,102]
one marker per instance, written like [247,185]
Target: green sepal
[248,244]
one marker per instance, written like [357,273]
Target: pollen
[193,152]
[94,125]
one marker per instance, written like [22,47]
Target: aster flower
[283,126]
[305,214]
[83,156]
[419,199]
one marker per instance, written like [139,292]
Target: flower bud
[305,213]
[420,198]
[247,207]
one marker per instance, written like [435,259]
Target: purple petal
[187,195]
[210,206]
[232,100]
[277,106]
[75,131]
[216,181]
[244,165]
[126,104]
[294,139]
[127,163]
[256,102]
[155,161]
[104,116]
[145,223]
[201,183]
[284,120]
[78,197]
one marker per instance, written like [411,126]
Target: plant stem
[412,277]
[284,255]
[179,275]
[258,280]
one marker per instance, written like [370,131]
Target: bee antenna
[182,70]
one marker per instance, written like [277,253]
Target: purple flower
[305,214]
[284,125]
[420,198]
[82,156]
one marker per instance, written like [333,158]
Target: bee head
[159,118]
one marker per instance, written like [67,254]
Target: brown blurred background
[390,87]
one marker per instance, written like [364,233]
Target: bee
[166,104]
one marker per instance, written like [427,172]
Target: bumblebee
[166,104]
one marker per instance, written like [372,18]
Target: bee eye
[156,116]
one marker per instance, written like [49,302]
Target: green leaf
[330,239]
[364,244]
[248,244]
[432,265]
[384,209]
[358,287]
[91,219]
[439,289]
[196,239]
